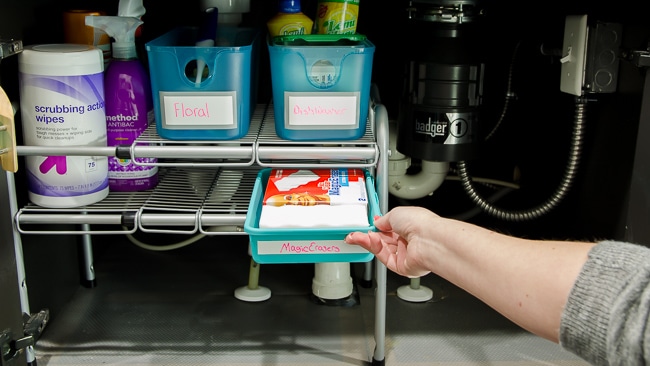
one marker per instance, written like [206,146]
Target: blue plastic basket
[270,245]
[222,103]
[321,91]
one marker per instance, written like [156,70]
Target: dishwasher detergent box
[298,236]
[321,85]
[204,93]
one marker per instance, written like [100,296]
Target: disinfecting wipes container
[62,104]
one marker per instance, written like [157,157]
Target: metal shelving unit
[205,186]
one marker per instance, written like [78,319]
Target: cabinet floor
[177,307]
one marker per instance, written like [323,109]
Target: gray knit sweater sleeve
[607,316]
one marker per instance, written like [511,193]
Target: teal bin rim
[251,227]
[162,41]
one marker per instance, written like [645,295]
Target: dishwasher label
[321,110]
[199,110]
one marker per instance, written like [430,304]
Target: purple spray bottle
[129,105]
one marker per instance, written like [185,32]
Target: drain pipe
[412,186]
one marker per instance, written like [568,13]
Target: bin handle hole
[322,74]
[192,71]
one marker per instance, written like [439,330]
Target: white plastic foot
[248,294]
[414,292]
[411,294]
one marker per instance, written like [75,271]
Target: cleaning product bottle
[290,20]
[129,104]
[336,17]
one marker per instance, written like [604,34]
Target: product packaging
[62,104]
[76,31]
[290,20]
[297,198]
[336,17]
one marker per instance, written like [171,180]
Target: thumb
[382,223]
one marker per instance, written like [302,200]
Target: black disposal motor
[443,82]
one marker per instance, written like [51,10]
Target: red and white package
[300,198]
[342,186]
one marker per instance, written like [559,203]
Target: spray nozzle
[131,8]
[121,29]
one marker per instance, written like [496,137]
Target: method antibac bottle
[129,104]
[290,20]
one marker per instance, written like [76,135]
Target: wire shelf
[204,186]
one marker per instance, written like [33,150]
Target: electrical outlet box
[574,50]
[603,53]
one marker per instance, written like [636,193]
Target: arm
[606,320]
[527,281]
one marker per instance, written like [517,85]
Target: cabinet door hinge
[33,327]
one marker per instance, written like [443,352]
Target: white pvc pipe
[412,186]
[332,281]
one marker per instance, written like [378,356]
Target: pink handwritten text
[318,110]
[183,111]
[310,248]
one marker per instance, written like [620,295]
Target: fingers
[358,238]
[382,245]
[383,248]
[372,241]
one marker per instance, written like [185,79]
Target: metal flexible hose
[559,194]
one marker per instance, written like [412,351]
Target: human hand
[401,241]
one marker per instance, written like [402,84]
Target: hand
[400,244]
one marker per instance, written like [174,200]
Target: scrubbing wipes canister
[62,104]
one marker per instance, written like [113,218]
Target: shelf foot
[413,292]
[253,292]
[248,294]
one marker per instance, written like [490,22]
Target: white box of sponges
[303,215]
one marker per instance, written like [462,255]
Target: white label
[199,110]
[322,109]
[63,110]
[307,247]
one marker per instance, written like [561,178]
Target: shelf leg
[366,281]
[253,292]
[30,355]
[87,264]
[379,355]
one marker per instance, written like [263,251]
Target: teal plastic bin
[317,245]
[321,86]
[219,104]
